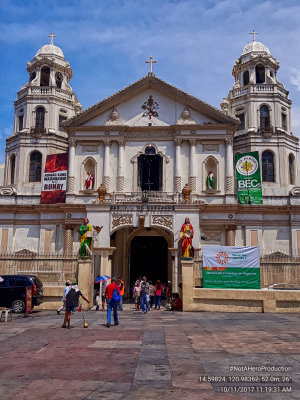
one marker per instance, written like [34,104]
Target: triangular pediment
[150,101]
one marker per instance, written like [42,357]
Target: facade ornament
[295,191]
[163,220]
[72,142]
[186,191]
[37,132]
[8,191]
[225,105]
[213,236]
[229,140]
[185,117]
[119,220]
[210,147]
[114,118]
[150,108]
[177,141]
[90,148]
[101,192]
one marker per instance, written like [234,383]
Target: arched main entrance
[148,257]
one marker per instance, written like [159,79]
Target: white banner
[221,257]
[55,181]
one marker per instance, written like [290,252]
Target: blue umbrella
[102,278]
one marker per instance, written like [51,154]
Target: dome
[50,49]
[255,47]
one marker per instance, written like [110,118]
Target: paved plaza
[159,355]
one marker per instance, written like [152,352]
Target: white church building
[142,146]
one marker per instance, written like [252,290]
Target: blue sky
[107,42]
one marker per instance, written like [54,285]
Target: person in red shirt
[121,287]
[111,305]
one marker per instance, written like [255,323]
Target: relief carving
[89,149]
[210,147]
[213,236]
[163,220]
[119,220]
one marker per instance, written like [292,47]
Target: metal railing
[52,269]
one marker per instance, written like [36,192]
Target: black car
[12,291]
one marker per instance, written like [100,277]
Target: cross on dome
[51,36]
[253,33]
[151,61]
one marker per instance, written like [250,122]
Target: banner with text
[226,267]
[248,179]
[55,179]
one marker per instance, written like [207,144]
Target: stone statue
[210,181]
[86,239]
[89,181]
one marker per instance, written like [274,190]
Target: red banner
[55,179]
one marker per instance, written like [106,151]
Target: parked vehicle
[12,291]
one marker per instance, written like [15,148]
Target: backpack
[115,298]
[72,298]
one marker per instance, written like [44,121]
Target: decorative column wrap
[71,172]
[229,167]
[106,177]
[230,235]
[68,244]
[120,178]
[192,177]
[177,171]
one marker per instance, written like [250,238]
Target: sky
[107,42]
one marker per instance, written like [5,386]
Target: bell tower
[262,105]
[42,105]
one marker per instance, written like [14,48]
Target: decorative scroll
[210,147]
[164,220]
[8,191]
[119,220]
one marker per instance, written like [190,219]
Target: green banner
[233,278]
[248,179]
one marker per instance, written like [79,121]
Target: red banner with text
[55,179]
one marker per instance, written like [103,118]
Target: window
[150,150]
[291,170]
[45,76]
[21,122]
[12,169]
[264,117]
[40,117]
[283,121]
[150,170]
[260,73]
[268,167]
[35,167]
[241,117]
[60,122]
[246,78]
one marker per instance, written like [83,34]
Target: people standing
[72,299]
[97,301]
[121,287]
[103,287]
[158,292]
[144,295]
[152,294]
[136,295]
[67,288]
[111,292]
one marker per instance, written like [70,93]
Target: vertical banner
[226,267]
[55,179]
[248,180]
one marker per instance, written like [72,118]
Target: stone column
[230,235]
[120,178]
[68,244]
[71,172]
[229,166]
[86,281]
[177,171]
[187,285]
[106,177]
[192,177]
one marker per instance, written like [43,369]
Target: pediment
[150,102]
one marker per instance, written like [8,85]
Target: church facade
[144,159]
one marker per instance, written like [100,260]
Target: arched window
[150,170]
[264,115]
[45,76]
[12,169]
[291,170]
[246,78]
[268,167]
[260,73]
[35,167]
[40,117]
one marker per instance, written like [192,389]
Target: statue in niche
[89,180]
[210,181]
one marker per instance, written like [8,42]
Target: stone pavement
[159,355]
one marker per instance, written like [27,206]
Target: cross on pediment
[253,33]
[51,36]
[151,61]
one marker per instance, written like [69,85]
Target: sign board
[28,299]
[55,179]
[227,267]
[248,180]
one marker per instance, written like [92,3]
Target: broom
[85,324]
